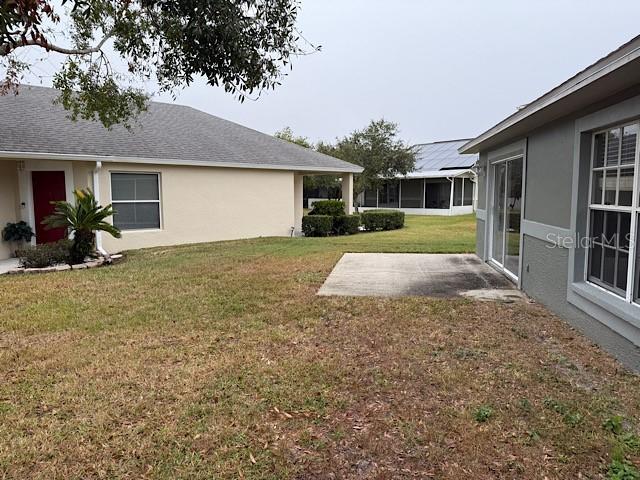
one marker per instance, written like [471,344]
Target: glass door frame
[490,212]
[503,200]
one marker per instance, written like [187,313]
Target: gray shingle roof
[443,155]
[31,123]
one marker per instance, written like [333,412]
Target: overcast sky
[441,69]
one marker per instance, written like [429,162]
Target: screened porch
[424,196]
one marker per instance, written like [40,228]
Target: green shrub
[45,255]
[346,224]
[317,225]
[17,232]
[341,224]
[382,220]
[333,208]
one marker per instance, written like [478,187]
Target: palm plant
[82,219]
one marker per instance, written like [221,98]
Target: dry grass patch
[218,361]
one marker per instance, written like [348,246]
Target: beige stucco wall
[198,204]
[8,200]
[204,204]
[298,198]
[82,175]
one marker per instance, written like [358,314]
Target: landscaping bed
[63,267]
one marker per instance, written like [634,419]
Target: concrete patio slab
[406,274]
[10,264]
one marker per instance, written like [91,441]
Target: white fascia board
[162,161]
[563,90]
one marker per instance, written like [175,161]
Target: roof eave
[176,162]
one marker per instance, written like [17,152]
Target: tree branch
[6,47]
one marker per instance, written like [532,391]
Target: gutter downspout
[96,192]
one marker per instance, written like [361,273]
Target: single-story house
[443,183]
[559,200]
[179,176]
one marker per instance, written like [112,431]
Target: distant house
[180,176]
[443,183]
[559,202]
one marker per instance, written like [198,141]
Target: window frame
[633,270]
[159,201]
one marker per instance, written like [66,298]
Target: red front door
[47,187]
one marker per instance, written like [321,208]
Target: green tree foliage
[287,134]
[311,182]
[82,219]
[378,150]
[240,45]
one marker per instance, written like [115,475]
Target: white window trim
[633,210]
[634,232]
[606,307]
[159,201]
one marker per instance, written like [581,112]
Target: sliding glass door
[506,215]
[499,206]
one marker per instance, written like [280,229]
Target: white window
[136,200]
[614,255]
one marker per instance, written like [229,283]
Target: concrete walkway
[10,264]
[406,274]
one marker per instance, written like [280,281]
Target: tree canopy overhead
[378,150]
[287,134]
[240,45]
[330,182]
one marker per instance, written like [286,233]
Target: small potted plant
[17,234]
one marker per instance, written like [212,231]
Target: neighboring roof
[616,72]
[33,127]
[440,173]
[441,159]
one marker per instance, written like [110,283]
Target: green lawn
[420,235]
[218,361]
